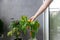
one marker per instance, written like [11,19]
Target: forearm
[43,7]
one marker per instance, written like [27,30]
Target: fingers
[32,19]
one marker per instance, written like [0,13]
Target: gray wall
[16,8]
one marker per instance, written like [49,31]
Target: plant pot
[18,39]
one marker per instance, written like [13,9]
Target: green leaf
[33,34]
[24,26]
[24,18]
[10,33]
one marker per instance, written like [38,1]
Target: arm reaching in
[41,9]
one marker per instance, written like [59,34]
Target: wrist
[35,16]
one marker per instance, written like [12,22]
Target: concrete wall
[16,8]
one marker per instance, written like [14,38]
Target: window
[55,5]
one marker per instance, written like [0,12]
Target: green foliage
[1,26]
[21,25]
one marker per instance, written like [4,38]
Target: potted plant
[1,27]
[22,25]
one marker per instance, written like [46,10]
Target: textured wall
[16,8]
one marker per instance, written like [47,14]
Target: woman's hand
[32,18]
